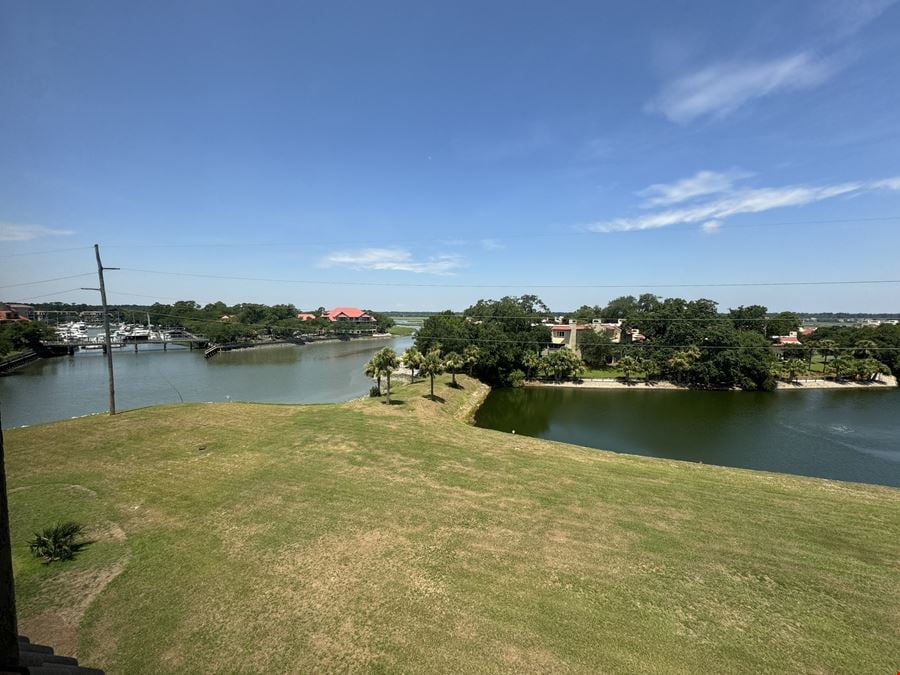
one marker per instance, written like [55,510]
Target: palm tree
[843,365]
[531,361]
[432,365]
[826,348]
[411,358]
[865,349]
[386,361]
[372,370]
[792,367]
[471,354]
[679,363]
[627,364]
[649,367]
[872,368]
[453,362]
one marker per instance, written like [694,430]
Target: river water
[849,435]
[64,387]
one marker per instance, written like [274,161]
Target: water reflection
[72,386]
[848,435]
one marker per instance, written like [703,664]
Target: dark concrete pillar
[9,641]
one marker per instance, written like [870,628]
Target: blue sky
[423,155]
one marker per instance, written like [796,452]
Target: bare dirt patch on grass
[71,594]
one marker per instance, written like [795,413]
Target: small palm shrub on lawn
[56,542]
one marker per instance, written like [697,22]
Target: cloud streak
[14,232]
[391,259]
[708,199]
[718,90]
[700,184]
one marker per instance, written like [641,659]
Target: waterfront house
[567,335]
[783,340]
[351,314]
[306,316]
[8,314]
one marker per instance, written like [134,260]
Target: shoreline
[887,382]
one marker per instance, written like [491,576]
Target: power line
[456,338]
[574,232]
[47,295]
[530,317]
[47,281]
[55,250]
[533,317]
[519,285]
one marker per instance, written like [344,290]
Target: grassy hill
[371,537]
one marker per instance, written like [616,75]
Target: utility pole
[109,358]
[9,638]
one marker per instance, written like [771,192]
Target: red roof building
[306,316]
[349,314]
[789,339]
[9,315]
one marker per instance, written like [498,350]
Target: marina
[78,335]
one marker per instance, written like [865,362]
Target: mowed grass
[398,538]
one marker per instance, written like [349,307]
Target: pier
[188,340]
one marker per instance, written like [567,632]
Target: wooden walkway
[190,341]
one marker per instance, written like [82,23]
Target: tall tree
[627,364]
[562,364]
[791,367]
[532,362]
[783,323]
[471,354]
[826,348]
[751,318]
[453,362]
[412,358]
[386,361]
[596,348]
[865,349]
[432,366]
[372,370]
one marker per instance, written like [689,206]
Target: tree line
[686,341]
[248,320]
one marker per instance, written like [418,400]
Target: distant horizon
[423,312]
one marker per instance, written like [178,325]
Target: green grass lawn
[243,537]
[402,330]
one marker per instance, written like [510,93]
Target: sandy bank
[886,381]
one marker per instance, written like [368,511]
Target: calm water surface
[64,387]
[846,435]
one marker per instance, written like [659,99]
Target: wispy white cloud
[843,18]
[723,203]
[711,226]
[13,232]
[888,183]
[720,89]
[392,259]
[701,184]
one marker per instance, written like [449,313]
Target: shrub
[57,542]
[374,392]
[516,378]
